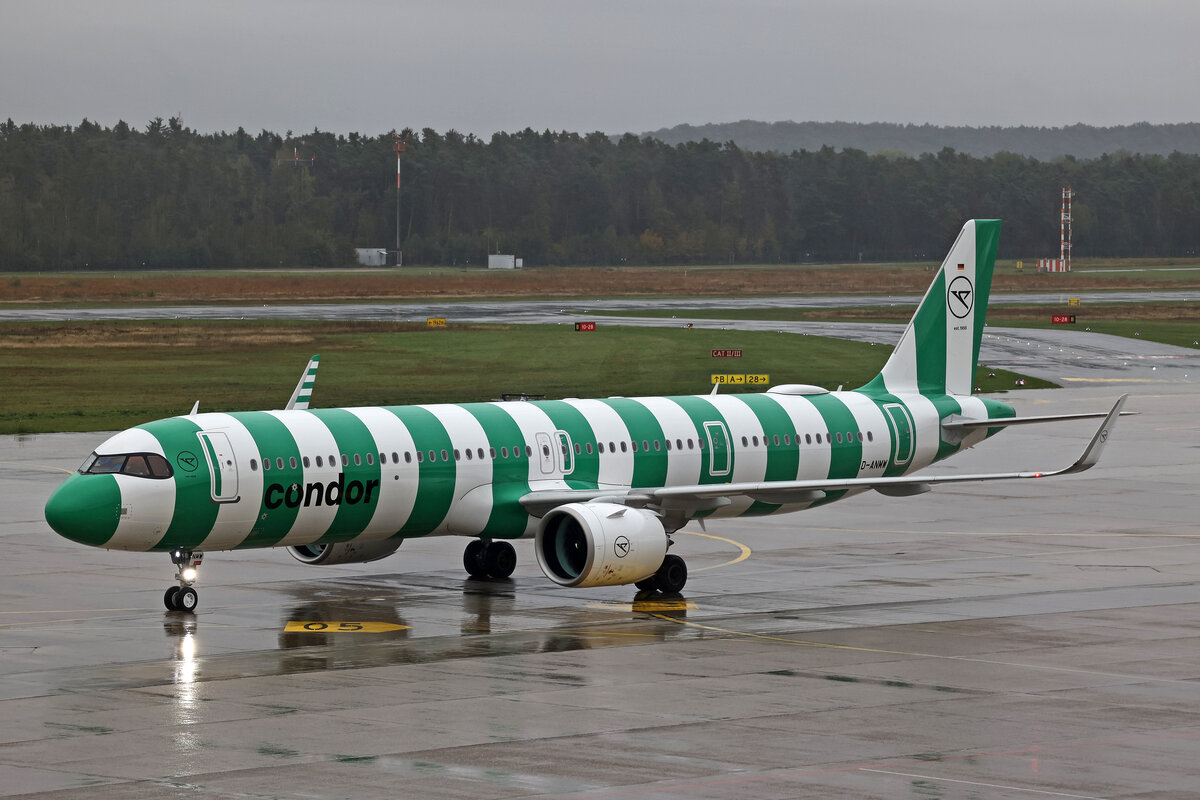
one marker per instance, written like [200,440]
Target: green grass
[106,376]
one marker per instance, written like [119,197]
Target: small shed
[371,256]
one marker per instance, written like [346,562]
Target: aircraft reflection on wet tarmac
[346,625]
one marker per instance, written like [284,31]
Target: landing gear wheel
[474,558]
[647,584]
[169,598]
[671,576]
[500,559]
[186,599]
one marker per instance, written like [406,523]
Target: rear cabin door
[902,433]
[222,466]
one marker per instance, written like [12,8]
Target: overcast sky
[583,65]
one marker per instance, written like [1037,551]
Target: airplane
[599,485]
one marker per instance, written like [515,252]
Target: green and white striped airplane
[600,485]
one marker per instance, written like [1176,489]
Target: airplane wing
[703,497]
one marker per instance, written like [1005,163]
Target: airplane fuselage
[227,481]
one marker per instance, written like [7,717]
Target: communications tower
[1064,229]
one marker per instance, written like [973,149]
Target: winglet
[1091,455]
[303,393]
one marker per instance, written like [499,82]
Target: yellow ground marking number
[300,626]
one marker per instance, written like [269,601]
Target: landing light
[188,574]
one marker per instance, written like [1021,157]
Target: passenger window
[408,457]
[612,447]
[858,436]
[370,459]
[279,462]
[787,439]
[645,445]
[254,465]
[305,462]
[345,460]
[745,442]
[292,462]
[600,446]
[420,457]
[445,456]
[492,451]
[588,447]
[480,452]
[634,446]
[320,462]
[668,445]
[528,451]
[754,439]
[624,449]
[504,452]
[468,454]
[678,444]
[657,445]
[395,457]
[357,460]
[870,437]
[266,465]
[691,444]
[776,438]
[457,455]
[578,449]
[839,437]
[808,438]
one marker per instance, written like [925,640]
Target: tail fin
[938,350]
[303,393]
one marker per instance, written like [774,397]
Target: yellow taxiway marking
[300,626]
[742,555]
[55,469]
[646,605]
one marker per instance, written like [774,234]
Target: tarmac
[1005,640]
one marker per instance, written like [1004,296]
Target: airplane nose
[85,509]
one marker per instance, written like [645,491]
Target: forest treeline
[1080,141]
[166,196]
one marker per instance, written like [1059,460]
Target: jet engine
[344,552]
[599,544]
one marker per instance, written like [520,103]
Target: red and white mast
[1064,230]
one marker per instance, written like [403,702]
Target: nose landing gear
[184,597]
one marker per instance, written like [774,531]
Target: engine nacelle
[599,544]
[344,552]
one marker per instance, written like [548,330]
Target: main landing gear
[669,579]
[184,597]
[487,558]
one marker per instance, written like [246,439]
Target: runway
[1032,639]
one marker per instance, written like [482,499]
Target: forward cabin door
[222,466]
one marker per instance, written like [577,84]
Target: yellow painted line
[742,556]
[300,626]
[646,605]
[55,469]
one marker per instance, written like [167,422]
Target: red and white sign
[1062,319]
[585,326]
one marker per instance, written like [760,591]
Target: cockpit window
[142,465]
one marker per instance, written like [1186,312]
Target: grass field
[446,283]
[109,375]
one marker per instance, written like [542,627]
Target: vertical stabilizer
[938,350]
